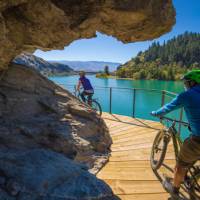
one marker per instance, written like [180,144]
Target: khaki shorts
[189,152]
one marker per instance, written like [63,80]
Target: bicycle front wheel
[195,184]
[96,107]
[158,150]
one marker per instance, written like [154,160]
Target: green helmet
[193,75]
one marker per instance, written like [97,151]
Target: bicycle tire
[160,137]
[194,191]
[96,107]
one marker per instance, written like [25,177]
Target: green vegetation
[165,62]
[101,75]
[104,74]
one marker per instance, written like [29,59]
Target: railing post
[134,101]
[163,98]
[110,105]
[181,118]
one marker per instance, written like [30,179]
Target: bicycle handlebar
[174,120]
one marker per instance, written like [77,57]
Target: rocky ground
[48,140]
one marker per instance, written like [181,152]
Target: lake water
[123,94]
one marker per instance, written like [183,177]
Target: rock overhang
[27,25]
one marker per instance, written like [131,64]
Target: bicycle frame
[177,143]
[79,97]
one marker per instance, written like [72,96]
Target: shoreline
[131,79]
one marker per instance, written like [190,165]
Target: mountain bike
[158,152]
[93,103]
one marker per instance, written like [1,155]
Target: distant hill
[168,61]
[89,66]
[44,67]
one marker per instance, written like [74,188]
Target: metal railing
[111,102]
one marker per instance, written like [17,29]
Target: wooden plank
[141,135]
[134,187]
[130,165]
[140,150]
[134,133]
[120,132]
[127,174]
[156,196]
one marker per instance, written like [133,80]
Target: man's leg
[174,187]
[189,153]
[179,176]
[90,98]
[83,96]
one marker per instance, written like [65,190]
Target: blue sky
[106,48]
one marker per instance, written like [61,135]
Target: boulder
[49,140]
[47,174]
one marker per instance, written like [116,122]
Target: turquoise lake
[123,94]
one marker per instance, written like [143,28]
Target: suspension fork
[176,141]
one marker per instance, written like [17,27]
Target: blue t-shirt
[190,101]
[86,83]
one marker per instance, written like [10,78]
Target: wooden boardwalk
[128,171]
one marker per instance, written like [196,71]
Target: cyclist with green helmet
[190,150]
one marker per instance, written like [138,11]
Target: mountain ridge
[88,66]
[44,67]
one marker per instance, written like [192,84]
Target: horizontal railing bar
[169,96]
[144,89]
[170,92]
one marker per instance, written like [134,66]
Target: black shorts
[189,152]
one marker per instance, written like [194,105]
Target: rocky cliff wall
[48,139]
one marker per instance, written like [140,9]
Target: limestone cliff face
[53,24]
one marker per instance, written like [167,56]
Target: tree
[137,60]
[106,70]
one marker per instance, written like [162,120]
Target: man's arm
[173,105]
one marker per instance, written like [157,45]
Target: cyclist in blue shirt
[87,87]
[190,150]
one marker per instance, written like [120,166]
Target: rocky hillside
[41,65]
[48,140]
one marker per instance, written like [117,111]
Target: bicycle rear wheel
[158,150]
[96,107]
